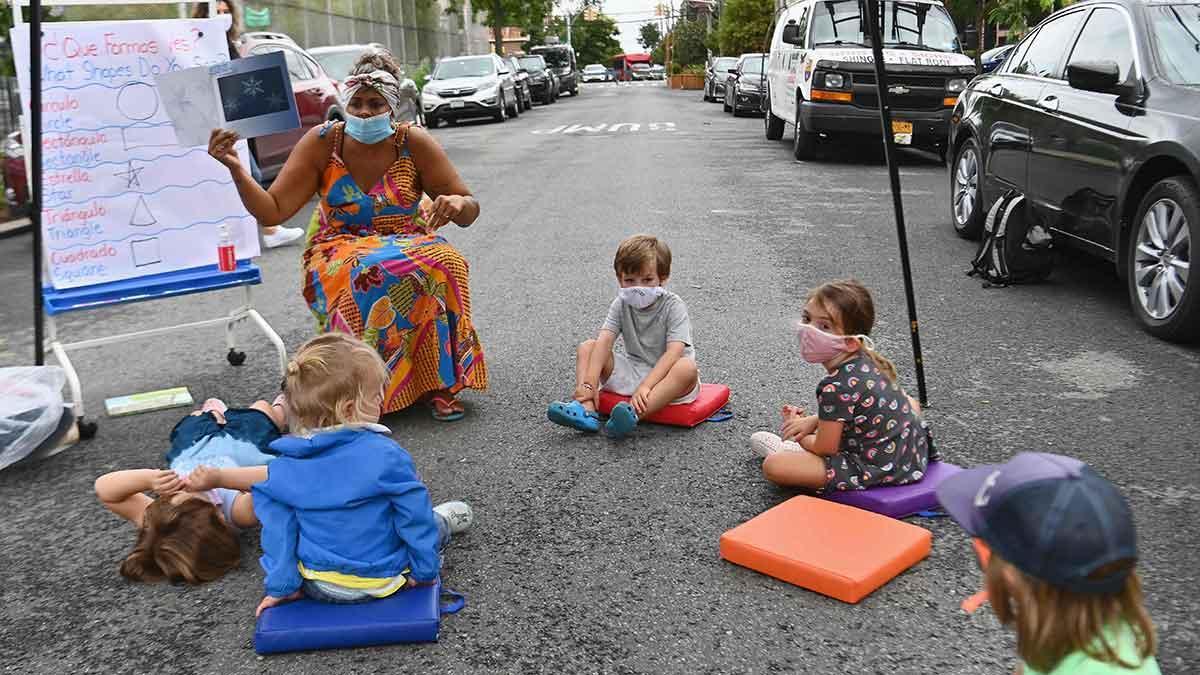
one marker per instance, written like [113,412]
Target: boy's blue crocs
[573,415]
[621,420]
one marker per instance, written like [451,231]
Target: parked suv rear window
[1045,54]
[1176,30]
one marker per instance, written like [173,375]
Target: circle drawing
[138,101]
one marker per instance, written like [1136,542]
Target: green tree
[594,41]
[649,36]
[744,26]
[496,14]
[689,40]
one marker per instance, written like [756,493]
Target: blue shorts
[247,425]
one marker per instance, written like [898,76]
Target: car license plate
[902,132]
[460,104]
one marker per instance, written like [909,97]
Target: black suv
[1095,118]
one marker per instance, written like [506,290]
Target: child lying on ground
[658,367]
[1063,548]
[369,527]
[189,532]
[867,431]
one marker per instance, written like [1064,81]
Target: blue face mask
[369,130]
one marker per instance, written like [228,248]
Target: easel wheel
[87,430]
[235,357]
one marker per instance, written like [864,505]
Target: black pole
[34,146]
[889,151]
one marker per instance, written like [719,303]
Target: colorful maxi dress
[371,269]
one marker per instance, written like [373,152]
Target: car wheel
[804,144]
[725,105]
[772,124]
[502,110]
[514,108]
[431,122]
[1164,238]
[966,198]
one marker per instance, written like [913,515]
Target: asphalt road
[593,556]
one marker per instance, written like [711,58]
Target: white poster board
[121,199]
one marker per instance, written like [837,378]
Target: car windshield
[448,70]
[722,65]
[533,64]
[640,66]
[753,65]
[338,64]
[1176,30]
[594,69]
[556,57]
[906,25]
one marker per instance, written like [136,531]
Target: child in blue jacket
[369,528]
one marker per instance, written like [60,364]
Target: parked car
[821,73]
[639,72]
[543,81]
[744,85]
[1095,118]
[470,86]
[994,58]
[339,60]
[562,59]
[16,182]
[658,72]
[714,77]
[520,76]
[595,73]
[316,97]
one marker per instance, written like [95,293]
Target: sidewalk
[14,227]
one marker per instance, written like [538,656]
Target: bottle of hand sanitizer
[226,253]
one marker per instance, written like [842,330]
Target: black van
[562,59]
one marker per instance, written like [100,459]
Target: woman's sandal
[445,408]
[573,415]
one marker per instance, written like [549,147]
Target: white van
[821,72]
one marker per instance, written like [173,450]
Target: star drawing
[231,107]
[132,176]
[252,86]
[276,100]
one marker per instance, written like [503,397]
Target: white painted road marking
[631,127]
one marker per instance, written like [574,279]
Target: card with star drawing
[252,96]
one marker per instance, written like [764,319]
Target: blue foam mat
[412,615]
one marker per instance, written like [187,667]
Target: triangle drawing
[141,214]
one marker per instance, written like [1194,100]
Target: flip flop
[439,402]
[621,420]
[573,415]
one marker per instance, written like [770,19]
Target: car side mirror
[505,72]
[732,70]
[791,34]
[524,70]
[1098,76]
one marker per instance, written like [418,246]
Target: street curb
[14,227]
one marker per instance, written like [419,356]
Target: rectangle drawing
[146,252]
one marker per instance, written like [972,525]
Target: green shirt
[1079,663]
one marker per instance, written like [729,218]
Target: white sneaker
[282,236]
[764,443]
[457,514]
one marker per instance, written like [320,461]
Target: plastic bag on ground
[31,405]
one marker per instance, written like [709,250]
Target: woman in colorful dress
[375,266]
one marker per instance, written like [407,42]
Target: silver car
[470,86]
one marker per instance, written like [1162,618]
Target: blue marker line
[135,125]
[134,192]
[135,159]
[90,84]
[148,234]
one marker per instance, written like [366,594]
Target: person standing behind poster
[277,235]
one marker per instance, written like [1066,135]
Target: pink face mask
[817,346]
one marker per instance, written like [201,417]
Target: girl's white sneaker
[764,443]
[458,515]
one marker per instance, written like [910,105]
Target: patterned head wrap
[379,80]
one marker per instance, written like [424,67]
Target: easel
[51,302]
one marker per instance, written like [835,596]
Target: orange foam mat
[833,549]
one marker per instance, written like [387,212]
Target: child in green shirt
[1061,565]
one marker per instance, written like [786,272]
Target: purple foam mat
[900,501]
